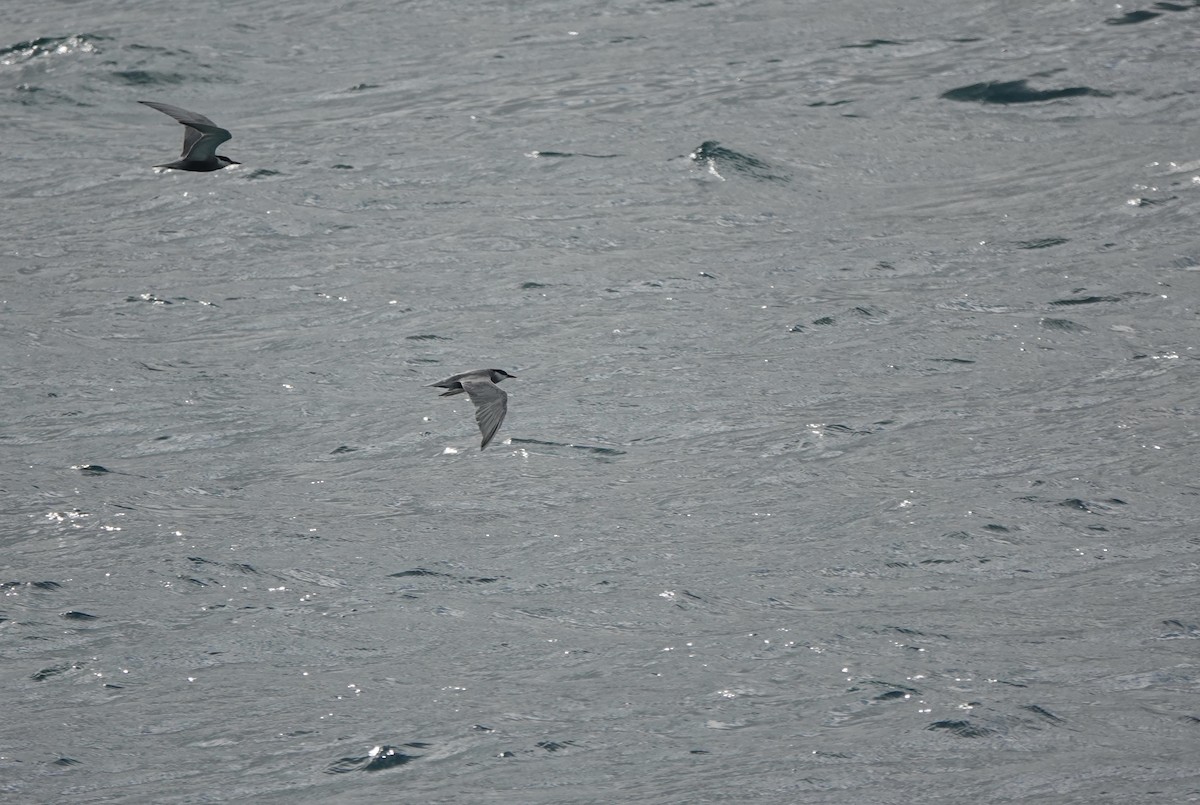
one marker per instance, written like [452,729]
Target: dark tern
[491,403]
[200,140]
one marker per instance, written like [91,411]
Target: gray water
[852,454]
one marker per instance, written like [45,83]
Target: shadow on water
[1141,15]
[567,154]
[600,451]
[719,160]
[1006,92]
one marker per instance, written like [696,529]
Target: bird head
[500,374]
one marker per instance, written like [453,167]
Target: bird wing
[449,382]
[491,404]
[200,137]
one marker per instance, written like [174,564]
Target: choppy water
[852,456]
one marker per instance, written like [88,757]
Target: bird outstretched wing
[200,137]
[491,404]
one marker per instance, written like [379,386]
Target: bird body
[200,140]
[491,403]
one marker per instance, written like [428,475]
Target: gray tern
[491,403]
[200,140]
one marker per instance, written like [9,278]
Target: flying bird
[200,140]
[491,403]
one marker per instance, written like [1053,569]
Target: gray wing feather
[201,137]
[491,404]
[449,382]
[182,115]
[190,137]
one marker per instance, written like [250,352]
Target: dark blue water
[851,456]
